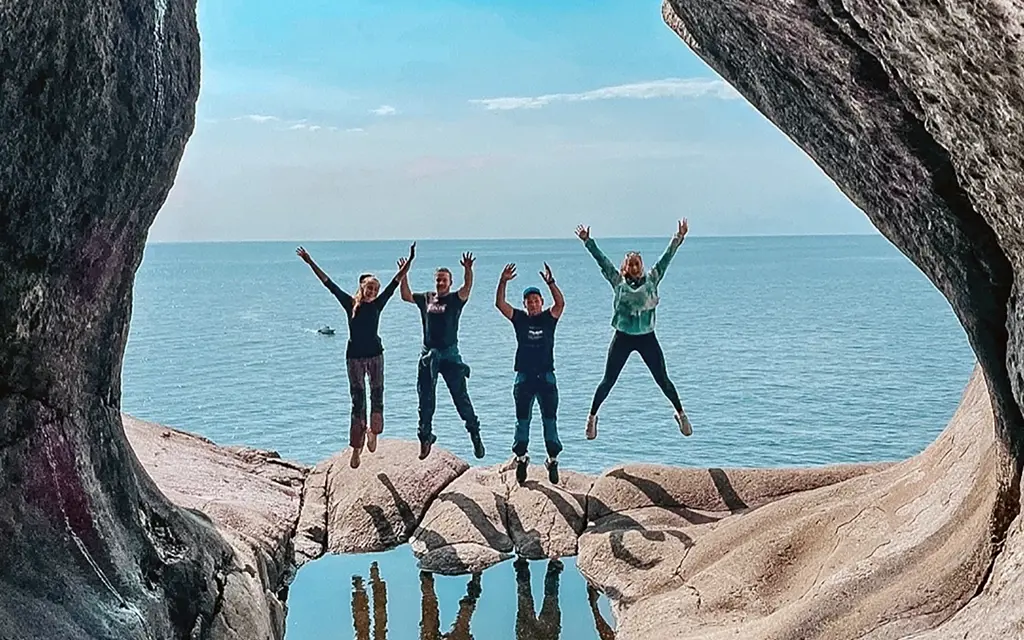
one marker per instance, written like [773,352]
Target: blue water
[331,594]
[786,351]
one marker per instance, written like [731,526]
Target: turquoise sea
[785,351]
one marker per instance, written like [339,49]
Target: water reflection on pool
[384,596]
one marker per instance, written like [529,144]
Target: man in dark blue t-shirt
[440,311]
[534,366]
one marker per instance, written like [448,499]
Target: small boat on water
[325,330]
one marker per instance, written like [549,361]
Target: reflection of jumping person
[430,619]
[636,296]
[364,353]
[439,312]
[534,366]
[361,607]
[604,630]
[548,625]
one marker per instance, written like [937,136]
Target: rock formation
[923,133]
[97,102]
[915,109]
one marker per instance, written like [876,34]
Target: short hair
[443,270]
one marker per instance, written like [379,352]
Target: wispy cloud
[255,117]
[384,110]
[665,88]
[295,125]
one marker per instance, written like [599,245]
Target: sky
[362,119]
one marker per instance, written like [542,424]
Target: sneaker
[684,423]
[522,465]
[354,460]
[552,465]
[478,444]
[371,441]
[425,447]
[591,426]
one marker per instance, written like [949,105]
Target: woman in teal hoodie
[636,296]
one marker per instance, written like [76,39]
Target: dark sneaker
[552,465]
[522,465]
[425,447]
[478,444]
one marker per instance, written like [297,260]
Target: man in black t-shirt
[534,366]
[440,311]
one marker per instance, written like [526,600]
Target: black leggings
[624,344]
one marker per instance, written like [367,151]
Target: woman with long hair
[364,353]
[636,297]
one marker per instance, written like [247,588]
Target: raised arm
[302,253]
[556,294]
[658,272]
[467,275]
[403,280]
[343,297]
[608,270]
[507,274]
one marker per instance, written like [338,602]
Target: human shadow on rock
[530,543]
[731,499]
[659,497]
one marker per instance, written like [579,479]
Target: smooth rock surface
[486,516]
[379,505]
[887,553]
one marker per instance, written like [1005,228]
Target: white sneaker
[684,423]
[591,426]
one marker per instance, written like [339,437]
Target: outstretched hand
[684,226]
[546,275]
[583,233]
[467,260]
[302,253]
[509,272]
[403,264]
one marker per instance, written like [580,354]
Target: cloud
[302,126]
[355,130]
[665,88]
[384,110]
[258,118]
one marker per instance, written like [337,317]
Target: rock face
[485,517]
[377,506]
[253,498]
[97,102]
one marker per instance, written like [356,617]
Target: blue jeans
[448,363]
[542,388]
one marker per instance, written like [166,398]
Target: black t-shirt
[363,340]
[440,317]
[536,338]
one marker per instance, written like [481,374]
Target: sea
[786,351]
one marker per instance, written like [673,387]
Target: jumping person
[440,311]
[534,367]
[636,296]
[364,353]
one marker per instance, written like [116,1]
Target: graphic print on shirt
[433,306]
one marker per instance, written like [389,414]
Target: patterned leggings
[358,370]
